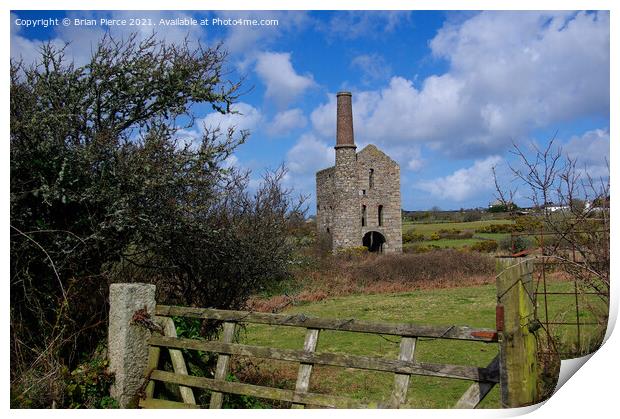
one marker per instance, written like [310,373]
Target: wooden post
[222,365]
[401,381]
[178,362]
[305,370]
[518,364]
[478,390]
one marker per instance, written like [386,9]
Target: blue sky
[444,93]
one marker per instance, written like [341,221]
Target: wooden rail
[402,368]
[348,325]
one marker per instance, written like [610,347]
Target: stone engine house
[358,199]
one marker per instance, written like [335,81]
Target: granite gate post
[127,343]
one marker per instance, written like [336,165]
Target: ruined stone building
[358,199]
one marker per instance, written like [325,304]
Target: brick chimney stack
[344,121]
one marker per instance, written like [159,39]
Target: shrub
[421,248]
[352,252]
[434,236]
[88,386]
[430,265]
[410,236]
[486,246]
[526,223]
[496,228]
[514,244]
[106,187]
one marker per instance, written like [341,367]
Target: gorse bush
[107,187]
[410,236]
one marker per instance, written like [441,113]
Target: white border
[592,392]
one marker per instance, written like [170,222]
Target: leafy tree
[105,187]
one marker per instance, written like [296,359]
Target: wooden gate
[483,378]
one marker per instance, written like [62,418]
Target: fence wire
[546,261]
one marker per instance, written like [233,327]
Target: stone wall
[346,216]
[325,200]
[384,192]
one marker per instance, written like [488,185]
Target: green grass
[430,228]
[471,306]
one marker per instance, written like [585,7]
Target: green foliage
[503,207]
[514,244]
[496,228]
[528,223]
[187,327]
[88,386]
[434,236]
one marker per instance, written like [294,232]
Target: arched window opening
[363,215]
[371,178]
[380,215]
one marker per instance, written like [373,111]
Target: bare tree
[573,209]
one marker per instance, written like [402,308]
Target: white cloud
[81,41]
[309,155]
[509,73]
[303,160]
[323,117]
[464,183]
[243,117]
[231,161]
[373,67]
[287,121]
[282,81]
[591,152]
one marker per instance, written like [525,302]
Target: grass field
[427,229]
[430,228]
[471,306]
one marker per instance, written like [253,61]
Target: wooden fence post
[515,314]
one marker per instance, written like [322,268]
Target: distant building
[358,199]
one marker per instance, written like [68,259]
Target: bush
[434,236]
[430,265]
[410,236]
[420,248]
[496,228]
[352,252]
[88,386]
[514,244]
[486,246]
[106,187]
